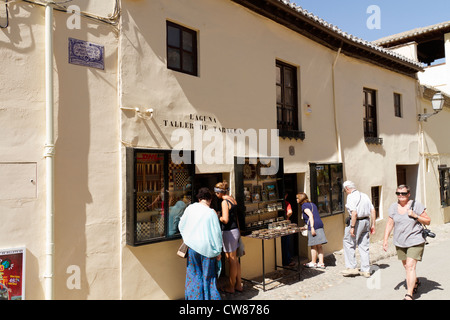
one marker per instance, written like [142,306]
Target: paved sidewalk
[387,281]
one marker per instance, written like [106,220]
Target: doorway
[208,180]
[408,174]
[290,188]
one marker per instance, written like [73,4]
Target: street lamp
[437,102]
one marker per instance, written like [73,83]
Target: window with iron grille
[181,49]
[287,101]
[370,117]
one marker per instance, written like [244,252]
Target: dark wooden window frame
[327,192]
[132,192]
[370,121]
[376,199]
[398,105]
[183,52]
[287,106]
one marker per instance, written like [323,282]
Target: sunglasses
[402,193]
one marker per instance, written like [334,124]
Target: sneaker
[350,272]
[365,274]
[310,265]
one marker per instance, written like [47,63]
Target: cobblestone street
[327,284]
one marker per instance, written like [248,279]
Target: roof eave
[298,22]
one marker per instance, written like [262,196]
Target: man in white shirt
[357,231]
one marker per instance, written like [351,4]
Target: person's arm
[288,212]
[423,218]
[225,213]
[387,232]
[352,223]
[373,214]
[311,221]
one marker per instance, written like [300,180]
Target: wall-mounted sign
[86,54]
[202,122]
[12,274]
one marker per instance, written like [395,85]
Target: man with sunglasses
[361,224]
[406,218]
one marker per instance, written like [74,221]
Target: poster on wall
[12,270]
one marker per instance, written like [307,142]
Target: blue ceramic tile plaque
[86,54]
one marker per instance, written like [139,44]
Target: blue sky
[394,16]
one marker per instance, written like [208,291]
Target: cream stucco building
[134,82]
[431,46]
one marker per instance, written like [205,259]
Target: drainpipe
[336,122]
[49,154]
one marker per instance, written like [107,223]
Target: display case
[326,188]
[158,192]
[260,196]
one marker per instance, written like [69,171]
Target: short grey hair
[349,184]
[404,186]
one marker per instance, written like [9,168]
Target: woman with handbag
[231,235]
[200,229]
[316,232]
[406,218]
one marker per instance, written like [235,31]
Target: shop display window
[326,188]
[260,197]
[158,191]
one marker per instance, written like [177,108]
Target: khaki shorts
[415,252]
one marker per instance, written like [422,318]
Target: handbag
[305,232]
[182,250]
[241,248]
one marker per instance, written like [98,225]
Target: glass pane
[446,188]
[369,99]
[173,36]
[188,62]
[279,100]
[323,188]
[279,113]
[188,42]
[337,195]
[173,58]
[149,186]
[278,75]
[180,194]
[289,116]
[289,96]
[288,78]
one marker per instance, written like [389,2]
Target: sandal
[321,266]
[310,265]
[417,285]
[409,296]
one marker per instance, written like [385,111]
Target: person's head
[204,194]
[221,189]
[302,198]
[403,193]
[349,186]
